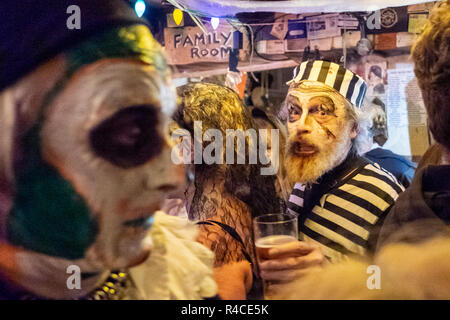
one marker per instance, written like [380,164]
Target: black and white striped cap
[347,83]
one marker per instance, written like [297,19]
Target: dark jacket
[399,166]
[433,156]
[422,211]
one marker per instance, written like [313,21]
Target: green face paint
[48,215]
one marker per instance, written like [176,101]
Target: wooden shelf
[209,69]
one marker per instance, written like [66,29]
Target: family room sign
[191,45]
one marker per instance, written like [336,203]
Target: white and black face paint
[319,132]
[106,133]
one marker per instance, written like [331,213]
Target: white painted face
[320,131]
[106,133]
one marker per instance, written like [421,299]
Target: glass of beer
[272,230]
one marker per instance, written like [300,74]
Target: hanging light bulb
[215,22]
[177,16]
[139,7]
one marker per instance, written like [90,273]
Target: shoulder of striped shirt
[389,184]
[377,168]
[378,179]
[392,183]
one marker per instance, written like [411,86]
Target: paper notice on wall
[406,114]
[323,26]
[416,22]
[417,114]
[280,28]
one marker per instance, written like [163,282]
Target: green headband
[135,42]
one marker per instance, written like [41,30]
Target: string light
[177,16]
[215,22]
[139,7]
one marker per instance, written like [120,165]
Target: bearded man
[339,197]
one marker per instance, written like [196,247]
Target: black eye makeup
[322,104]
[295,112]
[322,107]
[129,137]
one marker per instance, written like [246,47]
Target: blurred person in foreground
[85,160]
[433,156]
[376,133]
[340,198]
[426,203]
[398,271]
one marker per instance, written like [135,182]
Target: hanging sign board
[191,45]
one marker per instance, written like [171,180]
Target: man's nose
[303,125]
[302,131]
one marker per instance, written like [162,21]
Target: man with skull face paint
[339,197]
[84,152]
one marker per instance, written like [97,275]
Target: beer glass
[272,230]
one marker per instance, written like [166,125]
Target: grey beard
[308,169]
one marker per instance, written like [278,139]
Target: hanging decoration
[139,7]
[215,22]
[177,16]
[230,8]
[192,14]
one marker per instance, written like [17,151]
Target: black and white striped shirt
[341,216]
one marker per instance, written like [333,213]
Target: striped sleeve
[296,199]
[343,223]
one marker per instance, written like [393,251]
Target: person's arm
[234,280]
[226,249]
[233,271]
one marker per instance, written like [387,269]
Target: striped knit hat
[347,83]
